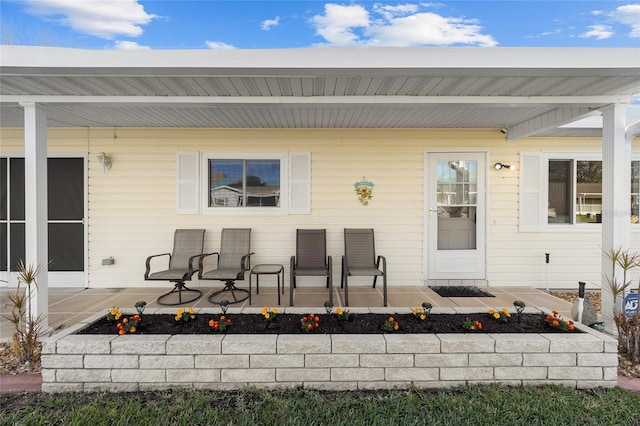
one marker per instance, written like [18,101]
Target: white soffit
[529,90]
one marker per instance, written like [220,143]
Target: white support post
[36,233]
[616,198]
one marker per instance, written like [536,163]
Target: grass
[468,405]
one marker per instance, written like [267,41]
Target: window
[243,182]
[560,190]
[574,191]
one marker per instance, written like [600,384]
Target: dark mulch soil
[460,291]
[357,324]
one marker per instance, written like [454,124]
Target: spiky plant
[25,342]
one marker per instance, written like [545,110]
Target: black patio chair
[187,246]
[311,259]
[233,260]
[359,259]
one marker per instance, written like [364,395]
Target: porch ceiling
[318,88]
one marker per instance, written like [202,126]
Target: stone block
[520,373]
[276,361]
[195,344]
[190,375]
[575,373]
[411,374]
[412,343]
[331,360]
[597,359]
[521,343]
[85,344]
[111,387]
[222,361]
[76,375]
[166,361]
[493,360]
[574,342]
[126,375]
[111,361]
[441,360]
[141,344]
[304,344]
[590,384]
[303,374]
[62,361]
[357,374]
[48,376]
[610,373]
[386,360]
[384,385]
[550,360]
[466,343]
[248,375]
[62,387]
[466,373]
[358,343]
[249,344]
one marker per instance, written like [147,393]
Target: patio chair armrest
[148,263]
[201,262]
[292,263]
[330,264]
[384,263]
[246,261]
[191,259]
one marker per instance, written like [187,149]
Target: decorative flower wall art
[364,191]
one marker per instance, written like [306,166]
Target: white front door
[455,215]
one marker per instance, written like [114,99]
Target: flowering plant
[343,315]
[502,316]
[114,314]
[390,325]
[269,314]
[468,324]
[129,325]
[185,316]
[221,324]
[419,314]
[309,323]
[557,322]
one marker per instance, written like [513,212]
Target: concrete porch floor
[69,306]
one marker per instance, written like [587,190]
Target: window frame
[282,156]
[544,191]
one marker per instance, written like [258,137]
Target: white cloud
[218,45]
[129,45]
[398,25]
[629,15]
[337,24]
[599,32]
[105,19]
[268,23]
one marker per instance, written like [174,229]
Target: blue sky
[239,24]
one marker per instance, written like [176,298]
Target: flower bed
[215,360]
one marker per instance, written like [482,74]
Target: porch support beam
[616,190]
[507,101]
[548,120]
[36,236]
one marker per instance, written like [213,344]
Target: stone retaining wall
[73,362]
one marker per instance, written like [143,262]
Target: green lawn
[469,405]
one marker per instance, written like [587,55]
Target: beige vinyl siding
[132,207]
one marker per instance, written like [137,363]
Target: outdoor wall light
[140,306]
[427,307]
[500,166]
[328,307]
[224,305]
[105,160]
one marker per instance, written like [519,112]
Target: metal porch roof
[528,90]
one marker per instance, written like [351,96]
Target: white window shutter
[532,205]
[188,173]
[299,183]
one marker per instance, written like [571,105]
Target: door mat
[460,291]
